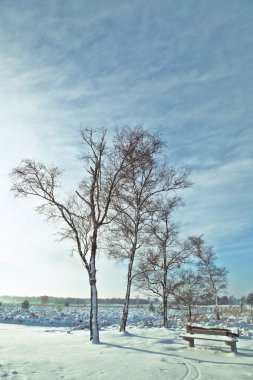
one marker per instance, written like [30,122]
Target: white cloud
[182,70]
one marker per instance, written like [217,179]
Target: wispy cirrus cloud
[220,202]
[182,70]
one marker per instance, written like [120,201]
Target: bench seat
[210,337]
[231,341]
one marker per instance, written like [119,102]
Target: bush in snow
[25,304]
[151,308]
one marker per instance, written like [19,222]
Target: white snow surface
[53,343]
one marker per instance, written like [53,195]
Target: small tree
[243,301]
[190,290]
[214,277]
[155,270]
[25,305]
[151,308]
[250,299]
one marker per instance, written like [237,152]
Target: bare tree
[155,270]
[135,202]
[190,290]
[82,216]
[250,299]
[214,277]
[243,301]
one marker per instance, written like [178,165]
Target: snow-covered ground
[46,343]
[74,316]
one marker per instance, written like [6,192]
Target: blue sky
[183,68]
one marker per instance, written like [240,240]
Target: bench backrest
[210,331]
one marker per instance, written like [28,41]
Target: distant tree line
[72,301]
[43,300]
[69,301]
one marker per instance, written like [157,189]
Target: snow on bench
[215,334]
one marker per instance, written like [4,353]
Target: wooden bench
[215,334]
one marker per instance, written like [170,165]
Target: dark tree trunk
[94,330]
[165,296]
[189,312]
[127,298]
[165,309]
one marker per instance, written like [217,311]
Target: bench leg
[191,342]
[232,345]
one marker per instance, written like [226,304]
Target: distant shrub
[1,304]
[25,304]
[151,308]
[159,309]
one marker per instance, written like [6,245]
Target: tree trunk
[217,311]
[165,309]
[190,312]
[127,298]
[94,330]
[165,296]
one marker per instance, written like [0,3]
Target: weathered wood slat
[214,334]
[214,337]
[210,331]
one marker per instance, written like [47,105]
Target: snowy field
[53,343]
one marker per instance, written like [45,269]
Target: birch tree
[214,277]
[82,216]
[156,269]
[190,290]
[135,202]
